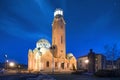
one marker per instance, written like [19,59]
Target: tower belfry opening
[58,12]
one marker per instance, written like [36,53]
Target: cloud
[45,8]
[17,31]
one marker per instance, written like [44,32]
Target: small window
[54,40]
[67,65]
[47,64]
[62,27]
[61,50]
[61,39]
[56,64]
[80,61]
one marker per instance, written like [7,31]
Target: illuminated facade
[53,57]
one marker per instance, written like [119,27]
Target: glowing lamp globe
[86,61]
[58,12]
[11,64]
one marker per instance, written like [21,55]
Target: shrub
[78,72]
[108,73]
[116,72]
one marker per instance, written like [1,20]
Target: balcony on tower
[58,13]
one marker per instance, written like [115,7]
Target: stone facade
[81,64]
[52,58]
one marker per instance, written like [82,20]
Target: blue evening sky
[89,24]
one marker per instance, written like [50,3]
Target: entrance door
[62,65]
[73,66]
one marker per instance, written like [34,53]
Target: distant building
[81,64]
[84,62]
[100,61]
[113,64]
[47,57]
[2,65]
[118,63]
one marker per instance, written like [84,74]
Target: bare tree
[112,53]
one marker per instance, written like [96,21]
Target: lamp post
[7,64]
[6,61]
[18,67]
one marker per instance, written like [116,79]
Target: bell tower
[58,34]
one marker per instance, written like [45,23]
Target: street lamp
[5,55]
[6,61]
[6,64]
[12,64]
[87,61]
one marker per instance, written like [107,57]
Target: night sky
[89,24]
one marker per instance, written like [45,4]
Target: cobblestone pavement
[54,76]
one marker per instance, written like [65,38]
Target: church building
[47,57]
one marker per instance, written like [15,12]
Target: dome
[30,50]
[43,50]
[42,43]
[69,55]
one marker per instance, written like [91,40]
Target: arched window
[47,64]
[61,39]
[67,65]
[56,64]
[62,27]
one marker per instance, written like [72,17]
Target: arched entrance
[62,65]
[73,66]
